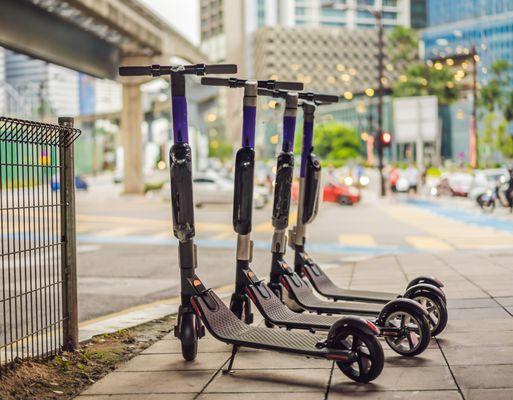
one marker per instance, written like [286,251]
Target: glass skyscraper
[455,26]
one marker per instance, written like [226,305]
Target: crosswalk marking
[428,243]
[356,239]
[123,231]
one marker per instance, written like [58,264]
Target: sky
[183,15]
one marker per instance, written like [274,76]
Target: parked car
[486,180]
[213,189]
[333,193]
[341,194]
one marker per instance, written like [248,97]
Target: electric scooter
[188,327]
[424,290]
[351,341]
[402,322]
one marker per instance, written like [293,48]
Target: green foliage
[423,80]
[496,96]
[334,142]
[403,44]
[220,148]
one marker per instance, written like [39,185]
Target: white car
[212,189]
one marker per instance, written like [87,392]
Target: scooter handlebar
[235,82]
[135,70]
[321,98]
[195,69]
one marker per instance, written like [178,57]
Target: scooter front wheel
[366,360]
[190,350]
[413,330]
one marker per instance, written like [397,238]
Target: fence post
[68,249]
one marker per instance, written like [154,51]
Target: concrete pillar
[131,139]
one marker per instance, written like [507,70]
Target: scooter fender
[281,205]
[430,280]
[400,304]
[360,324]
[243,193]
[422,288]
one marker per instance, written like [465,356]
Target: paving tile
[176,396]
[174,362]
[429,358]
[484,377]
[471,303]
[479,326]
[174,347]
[399,395]
[477,314]
[151,382]
[488,394]
[426,378]
[273,360]
[258,396]
[505,301]
[260,381]
[476,339]
[479,355]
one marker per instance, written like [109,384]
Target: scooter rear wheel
[367,358]
[415,333]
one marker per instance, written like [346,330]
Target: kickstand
[229,369]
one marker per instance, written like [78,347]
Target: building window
[261,13]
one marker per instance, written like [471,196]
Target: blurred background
[425,102]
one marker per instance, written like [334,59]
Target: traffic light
[385,139]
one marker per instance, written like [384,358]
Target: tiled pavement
[472,359]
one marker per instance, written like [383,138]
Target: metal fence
[38,306]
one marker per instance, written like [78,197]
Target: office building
[40,89]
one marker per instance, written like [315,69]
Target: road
[127,255]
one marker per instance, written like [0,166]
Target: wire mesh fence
[38,267]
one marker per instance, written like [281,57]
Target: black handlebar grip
[266,92]
[214,81]
[221,69]
[135,70]
[289,85]
[327,98]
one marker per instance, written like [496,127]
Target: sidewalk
[472,359]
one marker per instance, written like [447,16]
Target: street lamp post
[379,24]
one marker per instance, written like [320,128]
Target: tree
[334,141]
[423,80]
[220,148]
[403,45]
[496,96]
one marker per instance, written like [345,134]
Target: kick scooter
[188,327]
[410,339]
[351,341]
[422,289]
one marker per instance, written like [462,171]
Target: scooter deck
[273,310]
[325,286]
[226,327]
[305,297]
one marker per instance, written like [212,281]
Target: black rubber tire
[425,332]
[442,311]
[376,356]
[344,201]
[190,350]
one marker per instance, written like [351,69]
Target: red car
[334,193]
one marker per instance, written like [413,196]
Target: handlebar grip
[289,85]
[265,92]
[221,69]
[326,98]
[214,81]
[135,70]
